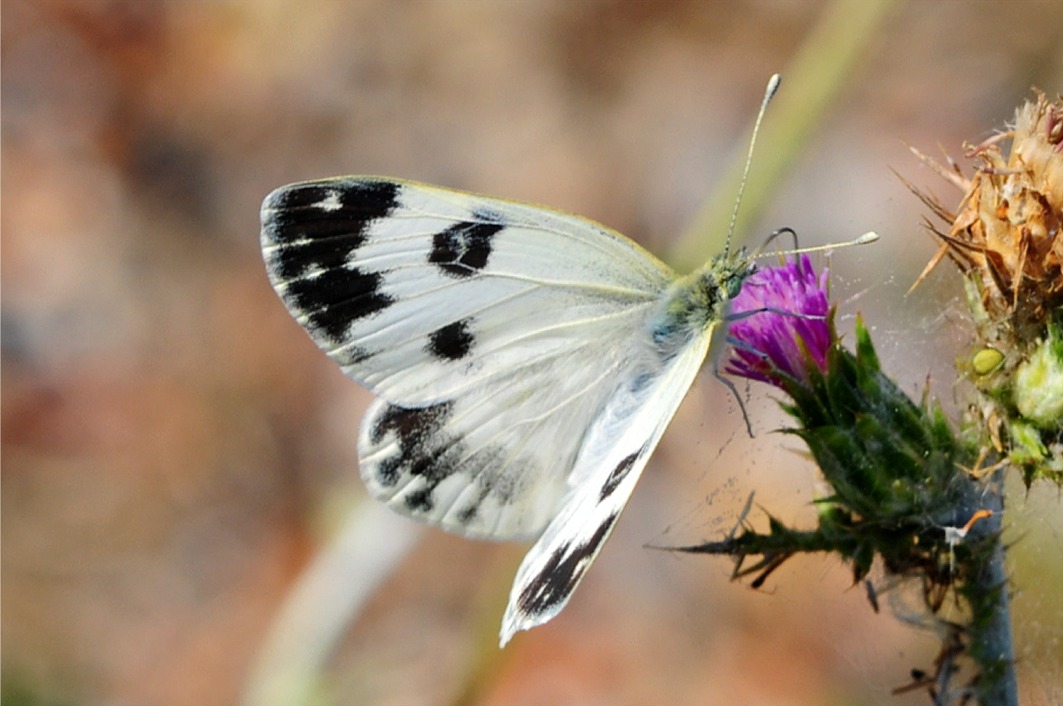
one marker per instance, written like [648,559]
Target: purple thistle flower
[773,345]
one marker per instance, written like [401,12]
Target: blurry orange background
[176,453]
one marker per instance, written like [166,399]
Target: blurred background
[179,462]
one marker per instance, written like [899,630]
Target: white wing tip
[512,623]
[517,620]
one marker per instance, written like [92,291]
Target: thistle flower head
[781,324]
[1006,237]
[886,457]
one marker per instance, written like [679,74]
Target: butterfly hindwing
[495,461]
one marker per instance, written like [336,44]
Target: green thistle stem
[986,592]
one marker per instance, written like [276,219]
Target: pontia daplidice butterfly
[526,362]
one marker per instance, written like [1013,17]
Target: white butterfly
[526,361]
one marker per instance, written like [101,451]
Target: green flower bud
[1039,385]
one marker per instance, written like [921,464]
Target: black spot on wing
[415,451]
[322,222]
[352,355]
[423,450]
[316,228]
[560,575]
[468,515]
[413,425]
[421,499]
[464,248]
[335,298]
[451,342]
[619,473]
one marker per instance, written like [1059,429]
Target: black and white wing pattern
[610,461]
[524,360]
[491,331]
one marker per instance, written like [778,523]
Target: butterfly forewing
[422,293]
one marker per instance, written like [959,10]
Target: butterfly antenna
[864,239]
[773,86]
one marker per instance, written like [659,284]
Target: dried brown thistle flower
[1006,237]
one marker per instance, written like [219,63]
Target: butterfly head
[728,271]
[697,302]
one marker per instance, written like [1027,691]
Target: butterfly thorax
[698,301]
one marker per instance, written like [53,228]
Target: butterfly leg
[776,234]
[730,386]
[773,310]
